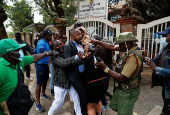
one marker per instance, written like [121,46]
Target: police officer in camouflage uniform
[127,75]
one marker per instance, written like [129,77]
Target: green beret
[125,37]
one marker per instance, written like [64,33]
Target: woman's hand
[80,54]
[85,56]
[86,50]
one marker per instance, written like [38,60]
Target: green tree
[150,9]
[70,9]
[53,9]
[3,17]
[20,14]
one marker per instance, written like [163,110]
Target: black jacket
[25,48]
[73,70]
[35,42]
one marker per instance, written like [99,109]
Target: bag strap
[28,88]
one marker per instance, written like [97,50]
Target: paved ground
[148,103]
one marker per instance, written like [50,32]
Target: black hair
[64,37]
[61,31]
[41,33]
[81,30]
[73,31]
[104,54]
[38,34]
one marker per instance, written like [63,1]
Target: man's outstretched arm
[106,45]
[38,57]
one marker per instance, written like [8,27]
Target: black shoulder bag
[20,102]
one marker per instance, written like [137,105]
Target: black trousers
[80,86]
[27,68]
[166,107]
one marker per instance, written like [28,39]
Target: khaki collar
[132,49]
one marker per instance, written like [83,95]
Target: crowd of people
[82,67]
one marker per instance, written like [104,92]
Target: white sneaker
[135,113]
[31,79]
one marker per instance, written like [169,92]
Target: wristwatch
[47,54]
[106,70]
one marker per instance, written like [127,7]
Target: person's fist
[50,53]
[100,65]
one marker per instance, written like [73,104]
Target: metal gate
[104,28]
[100,26]
[148,37]
[146,33]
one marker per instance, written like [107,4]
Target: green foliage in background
[20,14]
[53,9]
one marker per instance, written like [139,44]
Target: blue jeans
[51,68]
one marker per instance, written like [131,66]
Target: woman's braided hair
[104,54]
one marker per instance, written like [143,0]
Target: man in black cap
[42,69]
[161,70]
[24,49]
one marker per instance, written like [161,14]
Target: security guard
[127,75]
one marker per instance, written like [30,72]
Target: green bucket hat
[125,37]
[9,45]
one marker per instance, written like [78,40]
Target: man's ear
[72,36]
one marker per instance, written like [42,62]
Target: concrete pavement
[149,102]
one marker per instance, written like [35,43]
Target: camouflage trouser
[123,102]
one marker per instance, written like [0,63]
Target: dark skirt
[96,90]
